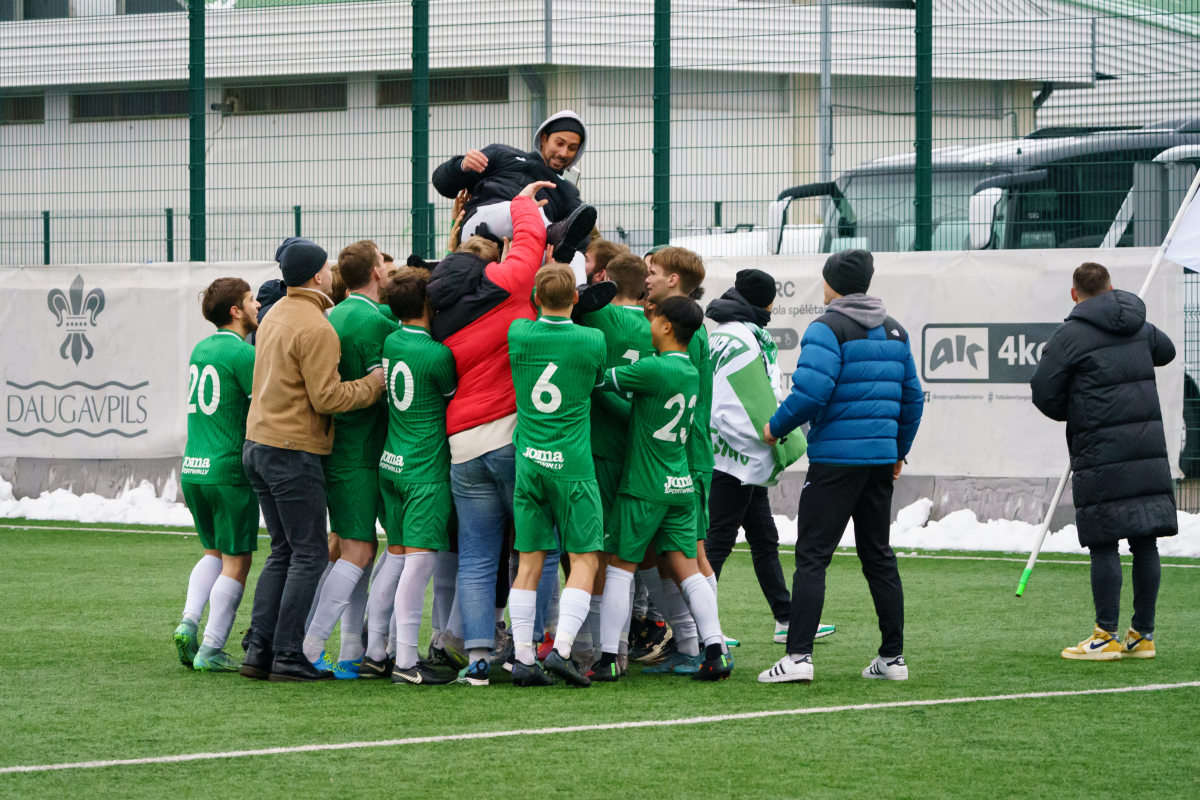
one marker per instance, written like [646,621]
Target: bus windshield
[877,212]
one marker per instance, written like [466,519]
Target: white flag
[1185,247]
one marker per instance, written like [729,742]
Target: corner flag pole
[1066,475]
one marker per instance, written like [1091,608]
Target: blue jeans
[483,498]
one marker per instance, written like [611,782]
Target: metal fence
[144,130]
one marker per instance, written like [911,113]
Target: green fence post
[46,238]
[196,198]
[717,214]
[296,219]
[170,234]
[923,144]
[422,239]
[662,122]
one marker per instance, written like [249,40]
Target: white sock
[444,576]
[553,612]
[703,602]
[379,562]
[478,654]
[335,594]
[225,597]
[354,618]
[682,625]
[200,584]
[391,640]
[712,582]
[624,648]
[380,603]
[312,609]
[614,607]
[522,608]
[573,609]
[410,605]
[593,619]
[655,590]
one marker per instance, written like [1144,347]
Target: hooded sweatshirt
[856,384]
[1097,374]
[745,375]
[510,170]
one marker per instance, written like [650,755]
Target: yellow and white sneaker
[1100,646]
[1137,646]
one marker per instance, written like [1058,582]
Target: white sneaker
[781,631]
[888,669]
[787,670]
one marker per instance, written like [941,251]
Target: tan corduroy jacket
[297,388]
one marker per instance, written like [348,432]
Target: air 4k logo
[990,353]
[76,314]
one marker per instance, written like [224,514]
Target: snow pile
[134,506]
[962,530]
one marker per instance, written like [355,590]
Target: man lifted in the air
[496,174]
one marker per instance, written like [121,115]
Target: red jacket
[475,308]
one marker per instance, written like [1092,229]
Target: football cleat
[420,673]
[717,668]
[214,659]
[323,664]
[675,664]
[530,675]
[565,669]
[370,668]
[186,643]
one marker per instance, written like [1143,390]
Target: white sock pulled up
[703,602]
[573,608]
[335,595]
[225,598]
[522,609]
[200,584]
[410,605]
[682,625]
[614,608]
[380,602]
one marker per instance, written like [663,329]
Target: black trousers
[290,485]
[832,496]
[732,505]
[1106,583]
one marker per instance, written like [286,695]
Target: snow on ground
[962,530]
[912,529]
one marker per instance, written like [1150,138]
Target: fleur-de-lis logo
[76,314]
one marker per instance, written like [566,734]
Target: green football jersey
[627,338]
[664,392]
[555,366]
[700,452]
[219,388]
[386,310]
[421,379]
[358,436]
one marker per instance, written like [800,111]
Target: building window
[286,98]
[129,105]
[447,87]
[17,110]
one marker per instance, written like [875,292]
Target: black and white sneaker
[789,669]
[569,234]
[593,297]
[370,668]
[420,673]
[530,675]
[887,669]
[565,669]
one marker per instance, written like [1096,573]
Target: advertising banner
[977,323]
[95,357]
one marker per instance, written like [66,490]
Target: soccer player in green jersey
[414,474]
[556,502]
[352,469]
[223,505]
[656,505]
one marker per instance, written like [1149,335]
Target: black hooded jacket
[1097,374]
[732,307]
[461,293]
[509,170]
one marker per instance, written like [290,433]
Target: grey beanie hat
[301,261]
[849,272]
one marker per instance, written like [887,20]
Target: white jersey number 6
[545,387]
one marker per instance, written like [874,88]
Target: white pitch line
[611,726]
[989,558]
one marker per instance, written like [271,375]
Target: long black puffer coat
[1097,374]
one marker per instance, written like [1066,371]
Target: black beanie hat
[849,272]
[300,261]
[288,242]
[756,287]
[569,124]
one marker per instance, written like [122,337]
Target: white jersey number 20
[201,384]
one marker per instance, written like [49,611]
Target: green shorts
[226,517]
[635,524]
[608,478]
[354,502]
[542,504]
[418,514]
[702,482]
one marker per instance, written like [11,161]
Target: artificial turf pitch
[88,672]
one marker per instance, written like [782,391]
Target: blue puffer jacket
[857,384]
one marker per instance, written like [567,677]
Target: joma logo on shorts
[550,459]
[196,465]
[391,462]
[682,485]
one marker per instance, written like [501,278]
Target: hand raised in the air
[474,161]
[533,188]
